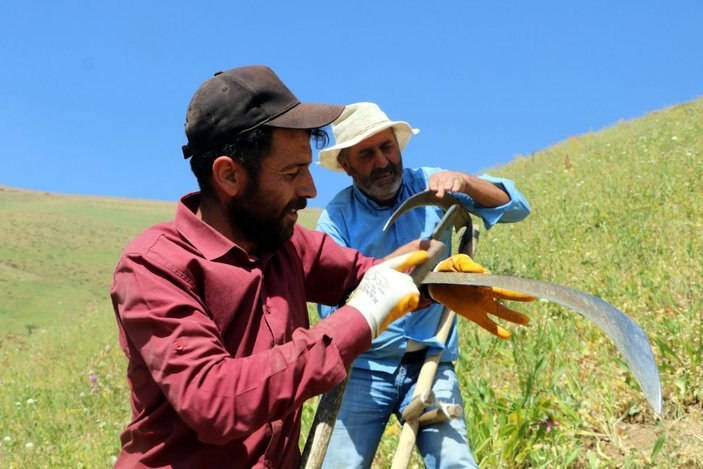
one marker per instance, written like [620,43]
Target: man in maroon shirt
[211,307]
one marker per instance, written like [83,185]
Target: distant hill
[617,213]
[57,252]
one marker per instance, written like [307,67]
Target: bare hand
[448,181]
[482,191]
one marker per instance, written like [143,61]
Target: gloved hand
[385,293]
[474,303]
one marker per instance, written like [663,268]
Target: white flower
[31,401]
[7,438]
[29,445]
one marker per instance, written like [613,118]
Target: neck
[214,213]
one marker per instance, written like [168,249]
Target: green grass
[617,213]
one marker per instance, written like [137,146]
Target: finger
[459,263]
[485,322]
[465,264]
[509,315]
[405,261]
[504,294]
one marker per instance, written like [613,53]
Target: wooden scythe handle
[322,426]
[408,434]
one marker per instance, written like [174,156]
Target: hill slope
[616,213]
[58,252]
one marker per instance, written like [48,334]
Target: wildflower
[94,389]
[31,401]
[93,378]
[549,424]
[29,445]
[7,439]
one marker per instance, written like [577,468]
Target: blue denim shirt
[356,221]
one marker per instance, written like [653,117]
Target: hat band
[366,129]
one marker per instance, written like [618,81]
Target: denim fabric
[371,398]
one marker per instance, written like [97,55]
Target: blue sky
[94,93]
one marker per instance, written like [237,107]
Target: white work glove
[385,294]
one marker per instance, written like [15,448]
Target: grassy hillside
[617,213]
[58,252]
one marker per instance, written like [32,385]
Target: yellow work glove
[385,293]
[475,303]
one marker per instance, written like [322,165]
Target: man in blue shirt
[368,148]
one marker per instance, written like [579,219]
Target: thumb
[406,261]
[406,304]
[459,263]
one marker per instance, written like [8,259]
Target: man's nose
[380,160]
[307,187]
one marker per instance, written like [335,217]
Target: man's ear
[228,176]
[344,163]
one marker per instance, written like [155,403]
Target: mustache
[390,169]
[297,204]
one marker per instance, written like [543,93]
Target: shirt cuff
[349,331]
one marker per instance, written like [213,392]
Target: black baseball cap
[242,99]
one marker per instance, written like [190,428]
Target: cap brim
[307,116]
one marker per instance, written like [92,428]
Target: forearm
[481,191]
[484,193]
[236,396]
[495,200]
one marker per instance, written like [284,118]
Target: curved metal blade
[625,333]
[419,200]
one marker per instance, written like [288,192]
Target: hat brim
[306,116]
[403,132]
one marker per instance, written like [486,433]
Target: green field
[617,213]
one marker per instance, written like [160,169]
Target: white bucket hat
[358,122]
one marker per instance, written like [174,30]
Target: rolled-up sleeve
[515,210]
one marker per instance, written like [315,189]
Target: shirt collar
[211,243]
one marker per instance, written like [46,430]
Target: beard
[256,217]
[381,192]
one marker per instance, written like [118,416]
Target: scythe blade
[625,333]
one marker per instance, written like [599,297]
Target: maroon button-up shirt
[221,355]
